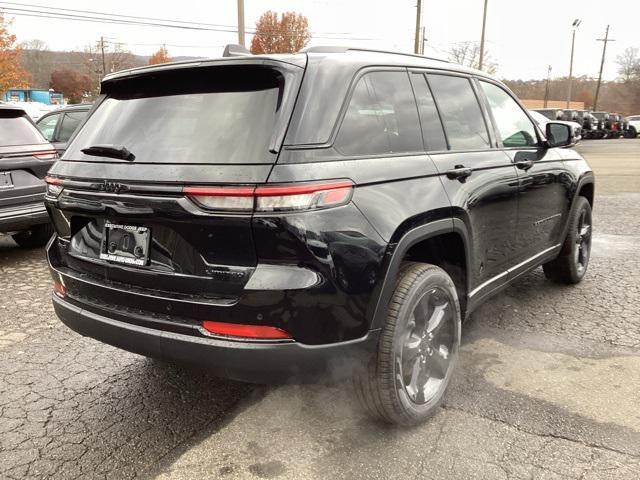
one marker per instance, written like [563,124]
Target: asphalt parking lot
[548,386]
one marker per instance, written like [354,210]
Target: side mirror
[559,135]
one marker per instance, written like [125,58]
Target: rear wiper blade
[111,151]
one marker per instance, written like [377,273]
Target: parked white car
[634,121]
[35,109]
[542,121]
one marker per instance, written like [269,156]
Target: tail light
[46,155]
[237,199]
[272,198]
[303,197]
[256,332]
[54,186]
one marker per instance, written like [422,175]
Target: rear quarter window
[381,117]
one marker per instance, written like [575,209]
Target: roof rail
[336,49]
[233,50]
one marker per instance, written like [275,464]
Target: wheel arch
[441,243]
[587,189]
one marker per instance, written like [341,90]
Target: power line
[94,12]
[173,45]
[119,19]
[77,17]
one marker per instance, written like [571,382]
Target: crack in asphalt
[542,435]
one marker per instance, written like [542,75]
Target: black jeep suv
[25,158]
[336,211]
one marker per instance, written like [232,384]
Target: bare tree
[629,64]
[120,59]
[468,54]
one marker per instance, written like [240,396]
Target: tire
[36,237]
[413,349]
[571,264]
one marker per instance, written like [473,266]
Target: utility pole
[424,39]
[241,22]
[104,67]
[416,44]
[546,88]
[484,25]
[575,25]
[606,40]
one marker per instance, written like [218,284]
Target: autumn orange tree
[73,84]
[11,72]
[287,34]
[161,56]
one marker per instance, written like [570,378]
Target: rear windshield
[16,129]
[219,115]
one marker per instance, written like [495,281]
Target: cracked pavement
[548,387]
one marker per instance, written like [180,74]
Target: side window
[513,124]
[48,126]
[381,117]
[460,111]
[432,132]
[70,122]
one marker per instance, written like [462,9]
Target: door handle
[460,172]
[524,164]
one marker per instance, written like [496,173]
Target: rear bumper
[256,362]
[23,217]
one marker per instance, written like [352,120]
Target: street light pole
[484,24]
[546,88]
[104,66]
[416,43]
[241,22]
[575,25]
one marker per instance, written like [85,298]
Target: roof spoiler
[233,50]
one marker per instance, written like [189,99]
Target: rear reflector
[46,155]
[259,332]
[59,289]
[270,198]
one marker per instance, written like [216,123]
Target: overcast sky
[523,37]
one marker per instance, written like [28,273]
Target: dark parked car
[589,124]
[605,123]
[25,158]
[336,211]
[59,125]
